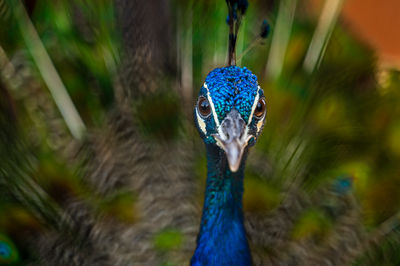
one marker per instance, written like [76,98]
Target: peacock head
[230,111]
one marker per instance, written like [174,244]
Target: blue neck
[222,238]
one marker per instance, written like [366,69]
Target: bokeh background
[96,103]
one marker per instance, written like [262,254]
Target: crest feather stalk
[236,9]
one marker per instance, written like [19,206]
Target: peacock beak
[233,138]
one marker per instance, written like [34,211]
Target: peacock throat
[222,238]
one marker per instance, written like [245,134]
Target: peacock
[126,192]
[230,115]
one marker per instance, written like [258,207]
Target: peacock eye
[260,108]
[203,106]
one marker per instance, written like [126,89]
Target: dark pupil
[259,107]
[204,106]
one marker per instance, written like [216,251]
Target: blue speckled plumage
[222,237]
[232,87]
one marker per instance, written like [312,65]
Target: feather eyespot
[260,108]
[203,106]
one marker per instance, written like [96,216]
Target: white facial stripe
[214,112]
[254,106]
[201,122]
[246,131]
[259,125]
[212,106]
